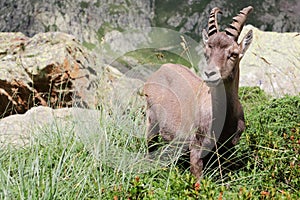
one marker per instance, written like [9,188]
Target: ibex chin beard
[213,83]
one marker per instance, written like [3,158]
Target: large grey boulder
[272,62]
[20,129]
[50,69]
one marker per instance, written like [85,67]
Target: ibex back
[202,112]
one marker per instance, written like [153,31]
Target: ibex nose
[212,77]
[210,74]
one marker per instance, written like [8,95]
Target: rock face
[50,69]
[89,20]
[86,20]
[191,16]
[272,62]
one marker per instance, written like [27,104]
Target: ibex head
[222,51]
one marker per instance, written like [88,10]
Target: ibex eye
[233,55]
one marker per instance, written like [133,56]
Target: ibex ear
[245,43]
[204,36]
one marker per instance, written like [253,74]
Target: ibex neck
[225,106]
[224,96]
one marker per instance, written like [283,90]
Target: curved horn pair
[234,28]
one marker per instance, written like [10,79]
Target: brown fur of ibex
[181,106]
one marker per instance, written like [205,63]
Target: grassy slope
[60,166]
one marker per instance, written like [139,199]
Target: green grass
[112,165]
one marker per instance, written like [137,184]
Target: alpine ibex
[202,112]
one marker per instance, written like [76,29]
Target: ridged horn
[238,22]
[213,22]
